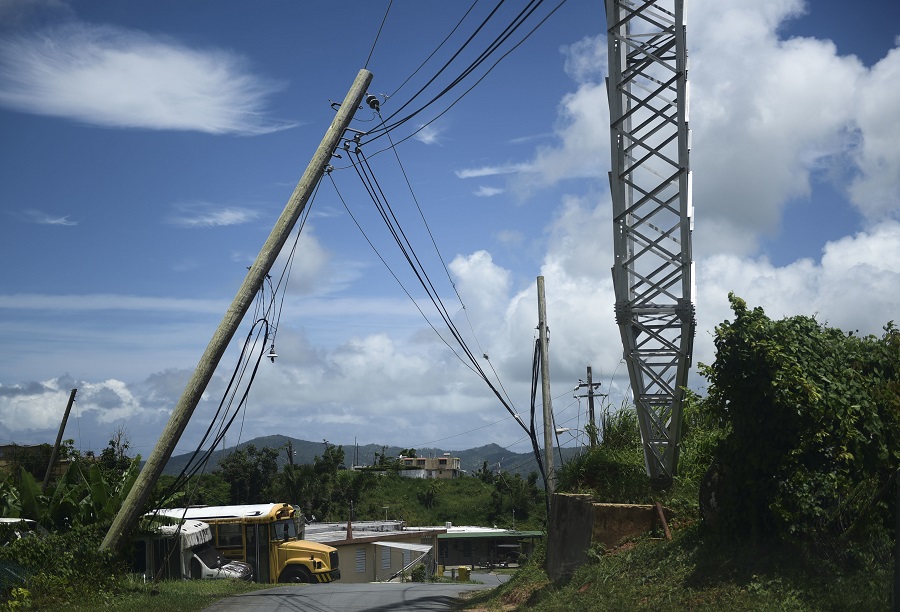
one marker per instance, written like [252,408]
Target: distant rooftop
[362,531]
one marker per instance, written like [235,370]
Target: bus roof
[260,512]
[192,533]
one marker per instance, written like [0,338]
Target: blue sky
[147,149]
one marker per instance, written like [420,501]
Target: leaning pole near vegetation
[127,517]
[650,186]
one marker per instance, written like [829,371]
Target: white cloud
[42,218]
[428,134]
[768,117]
[855,287]
[39,406]
[486,192]
[204,214]
[489,171]
[113,77]
[876,190]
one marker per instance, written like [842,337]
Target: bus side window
[228,535]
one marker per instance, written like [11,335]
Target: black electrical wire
[436,49]
[396,278]
[510,29]
[374,42]
[199,459]
[373,189]
[443,262]
[450,61]
[371,184]
[377,195]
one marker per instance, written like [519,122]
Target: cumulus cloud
[876,189]
[855,287]
[114,77]
[38,406]
[769,117]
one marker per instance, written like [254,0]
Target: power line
[436,49]
[374,42]
[492,48]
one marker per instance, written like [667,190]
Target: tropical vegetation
[784,498]
[786,493]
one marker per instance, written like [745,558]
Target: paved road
[343,597]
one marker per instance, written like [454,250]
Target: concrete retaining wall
[577,523]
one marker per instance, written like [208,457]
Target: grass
[133,595]
[692,573]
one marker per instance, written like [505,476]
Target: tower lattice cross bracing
[650,184]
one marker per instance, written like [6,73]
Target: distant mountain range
[471,460]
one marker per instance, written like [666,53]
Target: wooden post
[545,388]
[592,430]
[62,429]
[128,515]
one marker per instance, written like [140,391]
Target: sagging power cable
[483,57]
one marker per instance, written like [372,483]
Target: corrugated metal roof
[404,545]
[492,533]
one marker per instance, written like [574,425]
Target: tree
[811,417]
[114,459]
[249,472]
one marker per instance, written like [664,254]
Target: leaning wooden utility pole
[127,517]
[545,388]
[59,436]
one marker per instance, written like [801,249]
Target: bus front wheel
[297,575]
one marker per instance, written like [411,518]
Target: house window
[360,560]
[407,557]
[442,461]
[385,557]
[467,549]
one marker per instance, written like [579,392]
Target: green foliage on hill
[792,458]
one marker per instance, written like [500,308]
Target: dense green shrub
[614,469]
[65,565]
[812,422]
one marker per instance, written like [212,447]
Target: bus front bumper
[331,576]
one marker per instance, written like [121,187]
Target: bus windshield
[284,530]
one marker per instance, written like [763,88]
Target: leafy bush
[812,421]
[65,565]
[614,469]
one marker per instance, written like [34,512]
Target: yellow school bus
[269,538]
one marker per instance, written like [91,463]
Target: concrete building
[430,467]
[378,551]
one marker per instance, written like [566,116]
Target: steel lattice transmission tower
[650,183]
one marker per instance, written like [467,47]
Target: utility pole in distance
[128,515]
[59,437]
[545,387]
[592,428]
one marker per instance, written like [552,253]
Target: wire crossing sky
[147,149]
